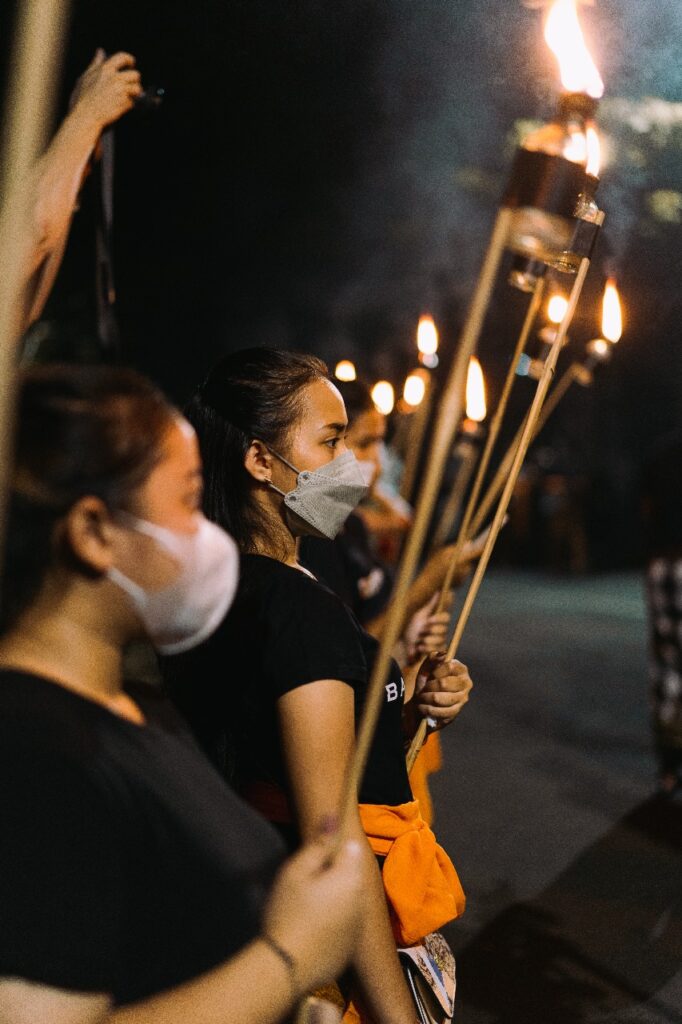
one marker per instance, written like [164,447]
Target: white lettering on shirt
[392,690]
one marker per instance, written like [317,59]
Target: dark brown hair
[80,431]
[251,394]
[357,398]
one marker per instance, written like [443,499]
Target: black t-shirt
[127,866]
[350,568]
[283,630]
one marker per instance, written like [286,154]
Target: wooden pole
[418,421]
[449,416]
[34,66]
[519,456]
[467,450]
[493,433]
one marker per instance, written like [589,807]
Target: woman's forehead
[181,448]
[323,405]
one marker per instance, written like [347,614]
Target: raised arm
[105,91]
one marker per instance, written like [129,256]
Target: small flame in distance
[556,308]
[383,397]
[345,370]
[476,408]
[427,336]
[612,315]
[414,389]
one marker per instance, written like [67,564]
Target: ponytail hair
[254,394]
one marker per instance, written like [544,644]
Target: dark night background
[319,174]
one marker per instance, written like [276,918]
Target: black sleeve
[60,875]
[311,635]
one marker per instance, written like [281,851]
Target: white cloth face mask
[185,612]
[323,498]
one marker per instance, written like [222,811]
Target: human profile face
[365,438]
[319,435]
[171,494]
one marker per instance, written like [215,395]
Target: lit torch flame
[414,389]
[556,308]
[593,146]
[612,316]
[383,397]
[427,336]
[476,408]
[565,38]
[345,370]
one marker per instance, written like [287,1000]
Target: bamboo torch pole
[519,456]
[415,440]
[572,374]
[40,29]
[462,536]
[449,416]
[598,352]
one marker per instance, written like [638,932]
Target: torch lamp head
[598,353]
[555,174]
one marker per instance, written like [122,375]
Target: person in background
[133,882]
[662,513]
[106,91]
[276,693]
[350,565]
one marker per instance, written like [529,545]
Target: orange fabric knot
[420,881]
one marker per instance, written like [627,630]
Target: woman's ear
[88,528]
[258,462]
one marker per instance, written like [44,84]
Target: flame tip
[612,313]
[565,38]
[476,408]
[427,335]
[383,396]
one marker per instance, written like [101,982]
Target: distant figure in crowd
[106,90]
[662,506]
[276,693]
[133,881]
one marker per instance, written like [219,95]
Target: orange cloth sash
[420,881]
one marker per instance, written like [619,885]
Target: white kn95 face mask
[186,612]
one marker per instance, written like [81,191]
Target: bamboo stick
[467,449]
[40,29]
[493,433]
[415,440]
[449,415]
[496,485]
[519,456]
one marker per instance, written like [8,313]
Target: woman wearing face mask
[350,566]
[132,880]
[275,694]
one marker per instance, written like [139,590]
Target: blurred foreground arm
[312,917]
[106,90]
